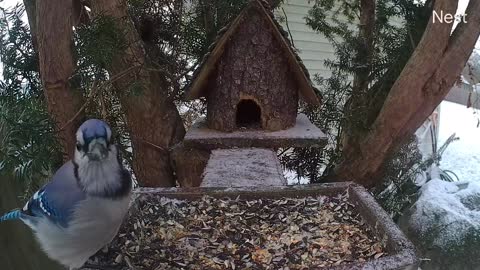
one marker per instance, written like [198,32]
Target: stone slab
[245,167]
[303,134]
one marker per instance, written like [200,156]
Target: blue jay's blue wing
[57,199]
[15,214]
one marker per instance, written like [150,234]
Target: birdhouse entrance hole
[248,114]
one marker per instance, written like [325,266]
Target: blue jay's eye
[79,146]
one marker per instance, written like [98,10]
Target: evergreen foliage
[96,45]
[20,64]
[346,112]
[27,145]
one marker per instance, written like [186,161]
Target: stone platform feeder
[252,80]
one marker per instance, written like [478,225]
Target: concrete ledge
[303,134]
[243,168]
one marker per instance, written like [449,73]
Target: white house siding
[313,47]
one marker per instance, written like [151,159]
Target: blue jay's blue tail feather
[15,214]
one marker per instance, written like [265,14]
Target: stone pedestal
[245,157]
[243,168]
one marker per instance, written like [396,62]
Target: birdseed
[211,233]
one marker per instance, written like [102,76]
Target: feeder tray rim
[402,253]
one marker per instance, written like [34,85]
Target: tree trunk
[208,9]
[31,9]
[54,38]
[189,164]
[354,129]
[152,118]
[365,47]
[426,79]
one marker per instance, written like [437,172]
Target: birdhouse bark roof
[197,87]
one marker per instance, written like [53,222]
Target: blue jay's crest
[94,128]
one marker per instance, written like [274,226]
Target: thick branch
[56,63]
[151,115]
[422,85]
[406,93]
[365,47]
[363,62]
[460,48]
[31,9]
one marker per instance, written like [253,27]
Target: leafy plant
[28,150]
[401,186]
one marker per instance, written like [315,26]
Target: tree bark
[352,132]
[152,118]
[424,82]
[365,47]
[54,38]
[31,9]
[189,164]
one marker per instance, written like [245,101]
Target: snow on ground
[462,156]
[446,211]
[8,3]
[293,179]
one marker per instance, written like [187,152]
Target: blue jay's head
[93,141]
[98,166]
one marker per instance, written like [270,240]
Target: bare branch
[95,90]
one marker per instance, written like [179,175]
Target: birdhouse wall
[253,67]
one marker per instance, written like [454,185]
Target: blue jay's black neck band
[75,172]
[118,193]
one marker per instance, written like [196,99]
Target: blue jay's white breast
[95,223]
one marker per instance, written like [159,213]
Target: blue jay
[81,209]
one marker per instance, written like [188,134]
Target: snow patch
[293,178]
[447,211]
[462,156]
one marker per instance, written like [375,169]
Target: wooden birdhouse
[252,77]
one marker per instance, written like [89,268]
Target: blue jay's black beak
[97,149]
